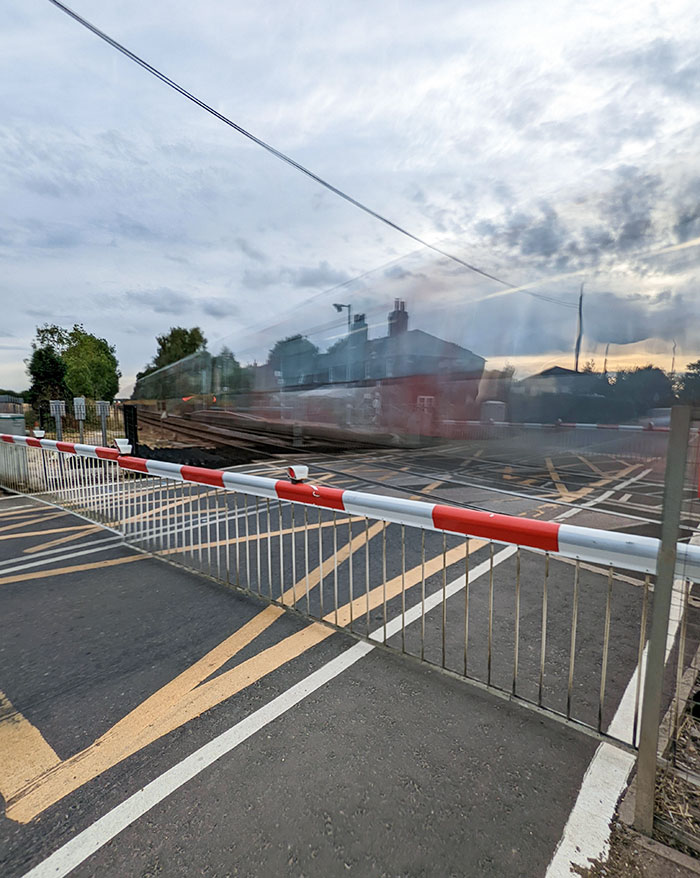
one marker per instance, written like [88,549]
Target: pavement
[157,721]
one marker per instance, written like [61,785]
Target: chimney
[358,334]
[398,319]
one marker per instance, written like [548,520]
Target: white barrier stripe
[630,551]
[395,509]
[165,470]
[86,451]
[257,485]
[601,547]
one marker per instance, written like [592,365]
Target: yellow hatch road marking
[508,473]
[375,598]
[41,533]
[298,591]
[582,492]
[22,523]
[83,532]
[590,464]
[75,568]
[25,753]
[43,780]
[554,475]
[21,513]
[299,528]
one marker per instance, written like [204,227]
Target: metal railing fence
[548,614]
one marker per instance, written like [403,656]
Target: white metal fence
[548,614]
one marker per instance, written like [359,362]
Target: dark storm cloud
[630,213]
[162,300]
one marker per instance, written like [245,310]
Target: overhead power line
[278,153]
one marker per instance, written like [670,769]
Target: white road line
[625,498]
[604,496]
[115,543]
[90,840]
[587,832]
[57,551]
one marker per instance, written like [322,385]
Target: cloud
[250,251]
[321,275]
[162,300]
[218,307]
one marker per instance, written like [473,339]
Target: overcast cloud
[549,143]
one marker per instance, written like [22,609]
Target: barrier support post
[656,648]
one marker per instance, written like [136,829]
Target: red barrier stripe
[7,438]
[137,464]
[314,495]
[66,447]
[33,443]
[106,453]
[214,477]
[501,528]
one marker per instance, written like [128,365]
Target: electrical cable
[276,152]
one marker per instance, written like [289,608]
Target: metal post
[131,426]
[80,413]
[663,589]
[58,410]
[103,411]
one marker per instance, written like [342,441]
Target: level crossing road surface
[325,756]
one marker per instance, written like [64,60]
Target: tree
[230,374]
[645,387]
[173,346]
[294,357]
[47,372]
[71,363]
[689,384]
[91,366]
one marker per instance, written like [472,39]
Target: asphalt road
[117,666]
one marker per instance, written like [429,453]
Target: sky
[549,144]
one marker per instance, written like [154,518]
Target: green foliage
[92,369]
[292,346]
[644,388]
[230,373]
[173,346]
[47,371]
[689,384]
[73,362]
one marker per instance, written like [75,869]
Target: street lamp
[339,307]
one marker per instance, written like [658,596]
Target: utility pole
[579,331]
[339,307]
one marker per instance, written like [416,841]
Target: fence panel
[551,615]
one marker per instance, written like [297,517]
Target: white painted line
[59,550]
[435,599]
[603,497]
[116,543]
[587,832]
[90,840]
[625,498]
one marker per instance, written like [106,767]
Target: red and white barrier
[607,548]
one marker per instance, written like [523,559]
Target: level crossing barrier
[546,613]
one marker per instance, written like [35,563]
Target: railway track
[227,430]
